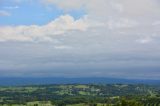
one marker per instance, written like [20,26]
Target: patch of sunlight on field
[83,93]
[40,103]
[82,86]
[82,104]
[14,105]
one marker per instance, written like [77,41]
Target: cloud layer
[59,26]
[113,39]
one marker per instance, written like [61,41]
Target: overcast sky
[80,38]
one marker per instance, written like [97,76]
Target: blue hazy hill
[35,81]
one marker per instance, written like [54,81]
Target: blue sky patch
[33,13]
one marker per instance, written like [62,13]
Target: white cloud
[121,23]
[4,13]
[105,7]
[145,40]
[114,13]
[156,23]
[11,7]
[140,7]
[59,26]
[62,47]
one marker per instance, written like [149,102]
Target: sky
[80,38]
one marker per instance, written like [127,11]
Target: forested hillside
[81,94]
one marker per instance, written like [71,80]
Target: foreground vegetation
[81,95]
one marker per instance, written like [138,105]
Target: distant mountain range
[42,81]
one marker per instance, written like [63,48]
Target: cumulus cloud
[59,26]
[135,15]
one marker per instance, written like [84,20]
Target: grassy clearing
[82,86]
